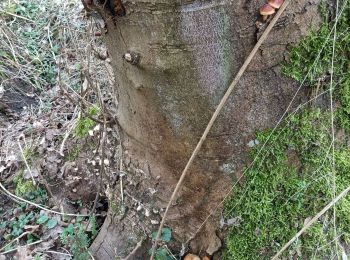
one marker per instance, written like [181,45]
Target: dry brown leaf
[23,253]
[29,174]
[191,257]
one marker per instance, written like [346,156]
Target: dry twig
[313,220]
[37,205]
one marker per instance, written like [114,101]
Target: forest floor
[55,139]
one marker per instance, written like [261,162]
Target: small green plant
[165,235]
[161,252]
[93,226]
[24,187]
[15,227]
[73,153]
[85,124]
[18,224]
[33,45]
[312,59]
[292,179]
[77,239]
[27,190]
[49,223]
[289,183]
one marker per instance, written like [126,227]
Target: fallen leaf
[191,257]
[29,174]
[23,253]
[52,234]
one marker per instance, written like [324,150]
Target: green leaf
[165,236]
[3,224]
[69,230]
[30,238]
[51,223]
[42,219]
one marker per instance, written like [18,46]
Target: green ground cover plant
[293,177]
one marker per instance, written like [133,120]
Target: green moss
[343,112]
[73,153]
[23,187]
[85,124]
[115,208]
[279,195]
[292,179]
[318,46]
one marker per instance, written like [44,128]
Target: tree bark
[184,55]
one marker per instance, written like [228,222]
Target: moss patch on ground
[290,182]
[292,178]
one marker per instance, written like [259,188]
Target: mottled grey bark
[189,52]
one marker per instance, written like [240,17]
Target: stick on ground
[312,221]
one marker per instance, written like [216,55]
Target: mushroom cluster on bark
[268,9]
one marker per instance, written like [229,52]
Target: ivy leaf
[165,236]
[42,219]
[51,223]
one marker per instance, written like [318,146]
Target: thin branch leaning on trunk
[214,116]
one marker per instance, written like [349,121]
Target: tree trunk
[184,55]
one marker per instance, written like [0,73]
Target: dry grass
[54,72]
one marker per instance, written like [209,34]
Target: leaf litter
[39,112]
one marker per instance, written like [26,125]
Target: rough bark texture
[189,52]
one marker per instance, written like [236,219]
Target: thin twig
[15,249]
[283,117]
[16,15]
[215,115]
[132,254]
[92,257]
[313,220]
[15,239]
[37,205]
[70,129]
[53,252]
[334,185]
[26,163]
[73,101]
[102,173]
[121,179]
[103,153]
[11,46]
